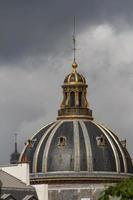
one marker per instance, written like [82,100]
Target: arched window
[80,99]
[65,98]
[62,141]
[100,140]
[72,99]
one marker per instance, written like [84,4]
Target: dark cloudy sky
[36,54]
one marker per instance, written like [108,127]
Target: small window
[62,141]
[72,99]
[100,140]
[80,99]
[31,143]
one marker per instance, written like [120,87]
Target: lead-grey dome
[76,146]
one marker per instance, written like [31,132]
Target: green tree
[123,190]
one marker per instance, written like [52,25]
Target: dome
[74,77]
[76,146]
[14,157]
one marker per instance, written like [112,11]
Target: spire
[15,135]
[74,103]
[74,42]
[74,65]
[15,155]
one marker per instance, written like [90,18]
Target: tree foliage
[123,190]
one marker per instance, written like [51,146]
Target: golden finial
[74,65]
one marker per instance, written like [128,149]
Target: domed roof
[74,77]
[14,157]
[76,146]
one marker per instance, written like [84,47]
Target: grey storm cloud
[38,27]
[36,54]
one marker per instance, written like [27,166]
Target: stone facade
[75,191]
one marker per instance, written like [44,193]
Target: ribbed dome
[76,146]
[74,77]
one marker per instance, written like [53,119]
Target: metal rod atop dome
[74,42]
[74,65]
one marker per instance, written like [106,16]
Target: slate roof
[29,197]
[7,196]
[11,186]
[9,181]
[87,147]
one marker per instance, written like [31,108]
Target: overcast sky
[36,54]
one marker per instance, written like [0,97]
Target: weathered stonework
[75,191]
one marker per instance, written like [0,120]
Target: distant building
[15,155]
[11,188]
[15,184]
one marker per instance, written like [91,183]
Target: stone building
[12,188]
[76,156]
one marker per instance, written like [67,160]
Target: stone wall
[75,192]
